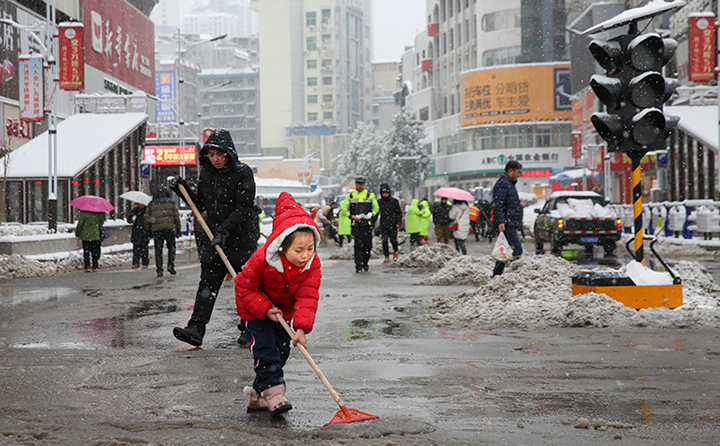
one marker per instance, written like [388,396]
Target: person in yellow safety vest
[362,207]
[412,222]
[474,213]
[344,227]
[424,221]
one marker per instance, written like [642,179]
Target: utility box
[620,287]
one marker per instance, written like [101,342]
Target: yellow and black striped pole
[637,207]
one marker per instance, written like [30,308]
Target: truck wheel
[609,247]
[538,247]
[555,246]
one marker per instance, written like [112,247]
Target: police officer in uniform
[362,207]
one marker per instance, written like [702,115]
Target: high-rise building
[315,72]
[487,94]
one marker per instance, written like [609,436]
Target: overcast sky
[396,24]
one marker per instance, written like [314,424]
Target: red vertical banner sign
[32,88]
[577,145]
[702,47]
[71,60]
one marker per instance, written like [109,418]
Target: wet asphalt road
[90,359]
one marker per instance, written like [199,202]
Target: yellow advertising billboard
[516,94]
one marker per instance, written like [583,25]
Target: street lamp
[49,49]
[180,81]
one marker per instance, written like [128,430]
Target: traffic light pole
[637,207]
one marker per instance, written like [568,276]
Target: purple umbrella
[92,203]
[454,194]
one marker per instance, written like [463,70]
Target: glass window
[312,117]
[326,16]
[311,43]
[310,18]
[327,98]
[327,115]
[311,63]
[311,81]
[312,99]
[327,80]
[502,56]
[543,136]
[509,18]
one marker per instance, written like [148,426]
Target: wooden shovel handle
[209,233]
[311,362]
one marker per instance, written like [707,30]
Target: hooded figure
[413,221]
[226,190]
[390,220]
[277,281]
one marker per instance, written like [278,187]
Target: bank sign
[535,162]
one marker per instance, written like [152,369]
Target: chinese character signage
[120,41]
[702,47]
[577,144]
[169,155]
[72,64]
[516,94]
[165,91]
[32,97]
[9,39]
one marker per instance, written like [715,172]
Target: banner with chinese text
[71,60]
[702,47]
[32,92]
[170,155]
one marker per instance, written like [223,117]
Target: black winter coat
[137,218]
[506,203]
[228,196]
[441,213]
[390,212]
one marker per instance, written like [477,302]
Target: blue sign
[165,91]
[145,170]
[661,159]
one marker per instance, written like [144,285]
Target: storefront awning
[81,140]
[699,121]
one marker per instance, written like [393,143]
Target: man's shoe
[135,266]
[159,274]
[172,271]
[191,334]
[366,268]
[387,259]
[395,256]
[88,270]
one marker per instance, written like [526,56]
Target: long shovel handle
[312,363]
[207,229]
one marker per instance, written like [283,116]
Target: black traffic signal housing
[633,91]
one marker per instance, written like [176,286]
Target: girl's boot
[275,397]
[257,403]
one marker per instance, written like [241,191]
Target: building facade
[485,95]
[319,80]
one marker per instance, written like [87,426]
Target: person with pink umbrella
[88,230]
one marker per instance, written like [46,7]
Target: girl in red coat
[281,279]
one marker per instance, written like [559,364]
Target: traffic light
[633,91]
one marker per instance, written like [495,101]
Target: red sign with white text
[32,89]
[170,155]
[120,42]
[71,61]
[702,47]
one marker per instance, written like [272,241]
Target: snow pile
[464,270]
[536,292]
[581,208]
[18,267]
[10,230]
[433,256]
[641,275]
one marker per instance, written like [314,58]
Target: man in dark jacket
[162,220]
[390,221]
[507,212]
[441,218]
[226,190]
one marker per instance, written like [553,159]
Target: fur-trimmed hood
[289,216]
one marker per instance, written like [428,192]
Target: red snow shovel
[344,415]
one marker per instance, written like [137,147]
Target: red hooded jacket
[266,281]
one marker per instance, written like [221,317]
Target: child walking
[281,279]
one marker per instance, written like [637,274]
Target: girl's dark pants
[91,248]
[269,344]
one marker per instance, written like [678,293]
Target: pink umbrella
[92,203]
[454,194]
